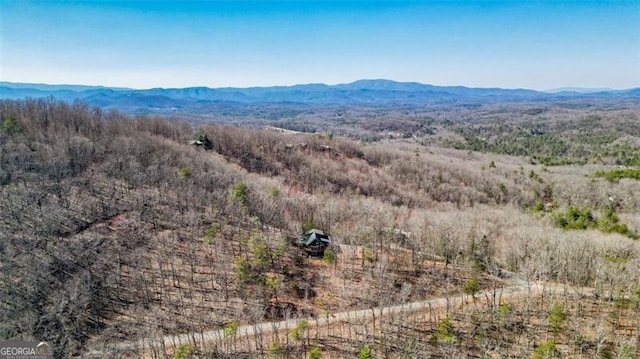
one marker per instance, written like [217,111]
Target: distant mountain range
[358,93]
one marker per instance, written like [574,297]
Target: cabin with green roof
[314,242]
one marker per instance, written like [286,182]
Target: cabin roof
[313,235]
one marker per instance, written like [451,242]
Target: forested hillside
[116,228]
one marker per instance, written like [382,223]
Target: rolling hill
[359,93]
[138,235]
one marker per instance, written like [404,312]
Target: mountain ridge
[365,92]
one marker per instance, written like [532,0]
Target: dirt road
[140,346]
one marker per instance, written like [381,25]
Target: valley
[492,230]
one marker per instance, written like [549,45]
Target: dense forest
[115,229]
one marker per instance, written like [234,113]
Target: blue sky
[142,44]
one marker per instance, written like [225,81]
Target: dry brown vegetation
[116,229]
[571,325]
